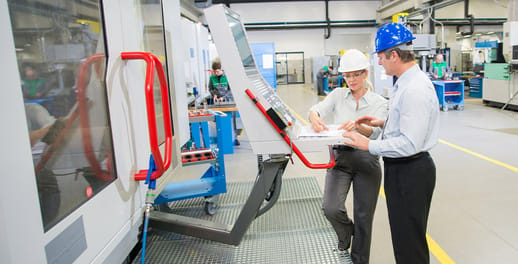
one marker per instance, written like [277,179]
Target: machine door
[75,127]
[61,62]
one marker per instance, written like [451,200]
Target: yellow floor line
[499,163]
[299,117]
[435,249]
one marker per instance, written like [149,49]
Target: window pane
[282,68]
[154,43]
[61,58]
[295,67]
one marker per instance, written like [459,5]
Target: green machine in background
[500,85]
[497,71]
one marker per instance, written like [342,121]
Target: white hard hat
[353,60]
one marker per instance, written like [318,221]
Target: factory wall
[479,9]
[306,11]
[313,42]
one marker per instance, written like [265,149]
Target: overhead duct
[310,24]
[471,19]
[328,28]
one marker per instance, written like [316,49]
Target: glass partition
[295,67]
[153,42]
[290,67]
[61,58]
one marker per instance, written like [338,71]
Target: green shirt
[441,68]
[218,85]
[32,87]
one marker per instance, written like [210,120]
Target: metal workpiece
[262,189]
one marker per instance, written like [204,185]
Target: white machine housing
[197,64]
[510,42]
[232,44]
[105,228]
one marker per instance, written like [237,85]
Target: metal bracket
[271,169]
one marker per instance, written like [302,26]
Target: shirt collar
[412,71]
[348,94]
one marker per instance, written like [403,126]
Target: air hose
[150,197]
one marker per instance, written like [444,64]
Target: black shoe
[237,143]
[342,246]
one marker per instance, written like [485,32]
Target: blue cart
[450,93]
[213,181]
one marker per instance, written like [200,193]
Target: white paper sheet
[307,131]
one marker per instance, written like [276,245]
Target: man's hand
[348,126]
[356,140]
[317,123]
[370,121]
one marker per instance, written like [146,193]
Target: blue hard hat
[391,35]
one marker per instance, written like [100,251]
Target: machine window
[241,42]
[61,57]
[153,42]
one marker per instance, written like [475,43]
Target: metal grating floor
[293,231]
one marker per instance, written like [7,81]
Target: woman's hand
[317,123]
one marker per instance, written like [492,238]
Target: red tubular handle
[288,140]
[153,62]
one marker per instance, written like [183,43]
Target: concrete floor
[474,211]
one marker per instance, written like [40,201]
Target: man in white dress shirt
[409,132]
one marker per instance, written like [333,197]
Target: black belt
[342,147]
[405,159]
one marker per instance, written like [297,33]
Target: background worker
[220,92]
[322,73]
[353,167]
[439,68]
[218,84]
[410,131]
[33,85]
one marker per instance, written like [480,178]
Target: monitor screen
[240,38]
